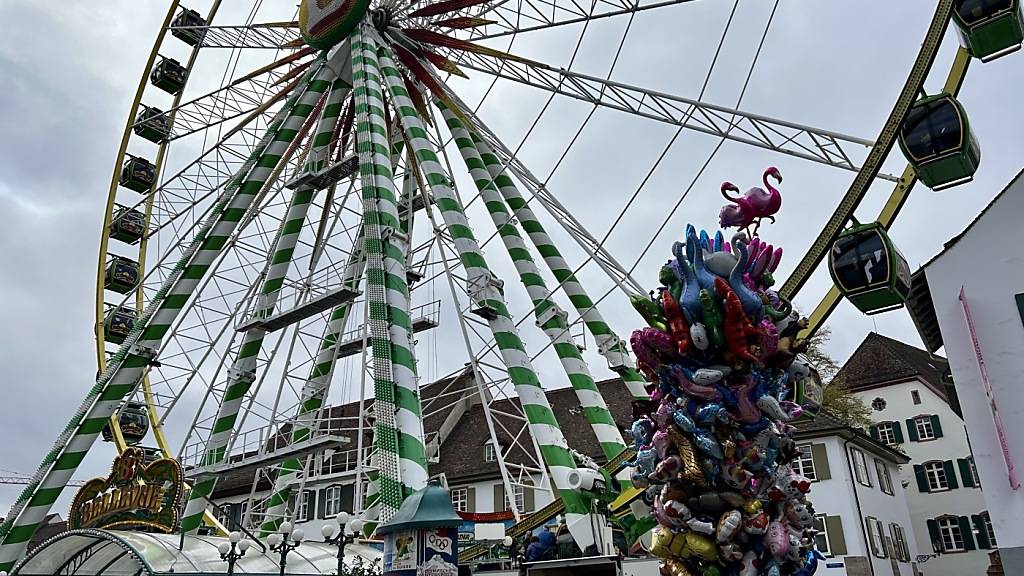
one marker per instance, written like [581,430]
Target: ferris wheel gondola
[869,270]
[937,140]
[989,28]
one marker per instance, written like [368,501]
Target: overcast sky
[67,80]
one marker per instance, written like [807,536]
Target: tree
[836,397]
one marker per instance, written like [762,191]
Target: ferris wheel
[290,216]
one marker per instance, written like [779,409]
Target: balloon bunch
[714,443]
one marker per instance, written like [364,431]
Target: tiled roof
[880,360]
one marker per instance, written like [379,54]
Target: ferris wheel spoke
[272,35]
[255,91]
[813,144]
[506,17]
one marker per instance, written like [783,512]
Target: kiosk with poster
[422,538]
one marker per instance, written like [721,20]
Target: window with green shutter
[836,538]
[965,529]
[911,430]
[980,531]
[967,473]
[936,427]
[922,478]
[819,457]
[950,474]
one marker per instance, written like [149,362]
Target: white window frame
[876,536]
[986,522]
[950,526]
[819,520]
[899,538]
[974,472]
[804,462]
[519,492]
[490,454]
[304,512]
[925,430]
[860,467]
[460,499]
[936,470]
[332,501]
[886,433]
[884,477]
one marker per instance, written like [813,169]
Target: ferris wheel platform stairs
[542,516]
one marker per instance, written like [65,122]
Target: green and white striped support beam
[242,372]
[126,367]
[550,317]
[608,342]
[485,294]
[398,438]
[314,390]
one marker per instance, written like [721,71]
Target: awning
[121,553]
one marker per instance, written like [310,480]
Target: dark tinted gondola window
[975,11]
[860,260]
[932,129]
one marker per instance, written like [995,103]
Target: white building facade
[983,269]
[864,523]
[909,404]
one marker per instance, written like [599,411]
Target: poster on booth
[439,552]
[400,551]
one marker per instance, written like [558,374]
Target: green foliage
[837,399]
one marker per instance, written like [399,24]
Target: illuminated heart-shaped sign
[133,496]
[324,23]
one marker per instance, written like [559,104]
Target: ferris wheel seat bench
[184,27]
[989,29]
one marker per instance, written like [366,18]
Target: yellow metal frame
[101,359]
[896,200]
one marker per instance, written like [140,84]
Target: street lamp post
[346,528]
[233,549]
[279,542]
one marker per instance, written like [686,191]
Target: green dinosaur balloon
[668,278]
[649,310]
[712,317]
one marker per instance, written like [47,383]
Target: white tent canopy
[120,553]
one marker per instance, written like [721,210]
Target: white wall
[951,446]
[835,497]
[988,263]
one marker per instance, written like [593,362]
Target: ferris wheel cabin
[868,269]
[117,324]
[185,27]
[168,75]
[127,225]
[137,174]
[936,138]
[133,421]
[152,124]
[121,275]
[989,28]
